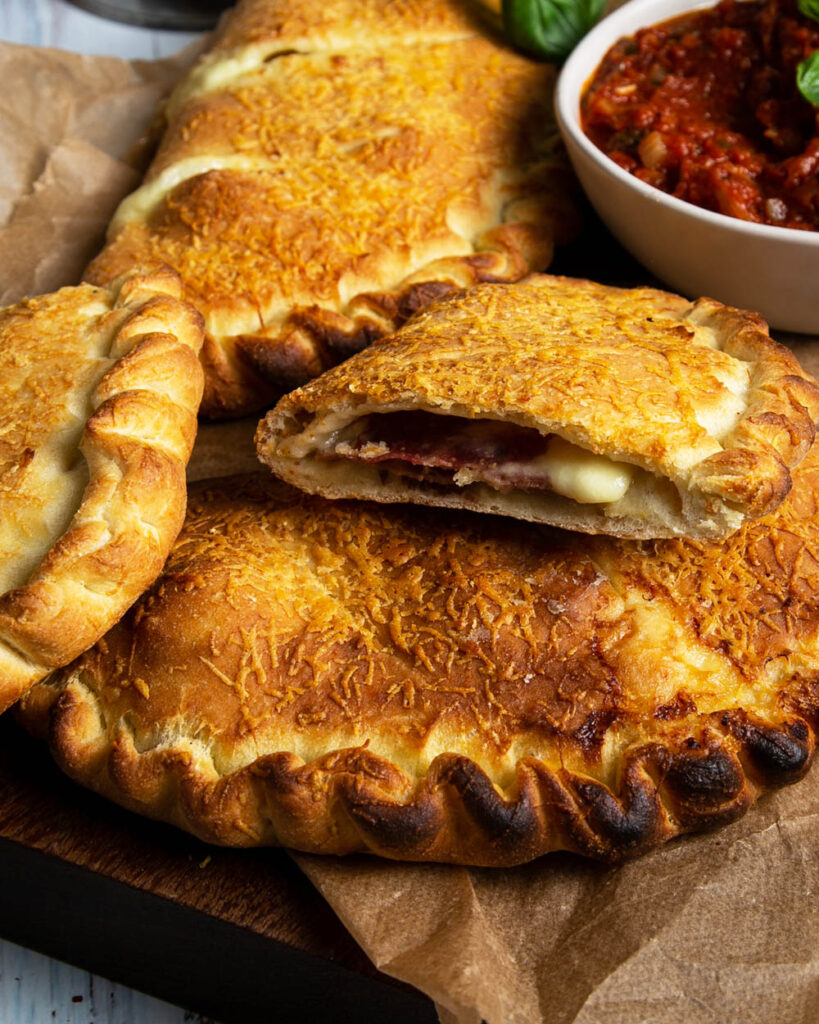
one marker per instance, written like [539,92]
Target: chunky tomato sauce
[706,108]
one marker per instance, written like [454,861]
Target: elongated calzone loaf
[341,676]
[99,390]
[629,412]
[330,167]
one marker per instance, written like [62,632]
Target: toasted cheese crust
[99,390]
[339,676]
[328,169]
[708,412]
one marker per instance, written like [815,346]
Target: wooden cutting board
[239,935]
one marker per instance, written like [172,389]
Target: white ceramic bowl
[774,271]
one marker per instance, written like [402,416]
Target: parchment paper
[717,928]
[74,139]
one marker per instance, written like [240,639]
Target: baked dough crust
[710,409]
[329,168]
[340,677]
[99,390]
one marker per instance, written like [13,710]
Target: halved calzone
[99,390]
[629,412]
[340,676]
[328,168]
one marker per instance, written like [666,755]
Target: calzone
[99,389]
[630,412]
[327,168]
[430,685]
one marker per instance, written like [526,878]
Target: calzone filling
[453,451]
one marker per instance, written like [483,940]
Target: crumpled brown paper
[74,132]
[718,928]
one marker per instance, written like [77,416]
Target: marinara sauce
[705,107]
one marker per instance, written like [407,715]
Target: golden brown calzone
[99,390]
[329,167]
[340,676]
[629,412]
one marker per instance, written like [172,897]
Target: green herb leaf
[551,28]
[807,78]
[810,8]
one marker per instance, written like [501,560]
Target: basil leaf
[810,8]
[807,78]
[550,28]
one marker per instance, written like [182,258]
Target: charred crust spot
[680,707]
[334,341]
[706,787]
[778,754]
[799,730]
[420,295]
[226,394]
[591,733]
[283,362]
[310,341]
[342,346]
[508,824]
[707,779]
[624,826]
[383,305]
[401,829]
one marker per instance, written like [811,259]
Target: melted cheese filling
[581,475]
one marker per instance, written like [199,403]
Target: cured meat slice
[454,451]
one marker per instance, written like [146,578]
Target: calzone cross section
[632,412]
[430,685]
[99,389]
[328,167]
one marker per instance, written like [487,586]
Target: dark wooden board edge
[183,956]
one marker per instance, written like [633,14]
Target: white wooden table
[33,988]
[56,23]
